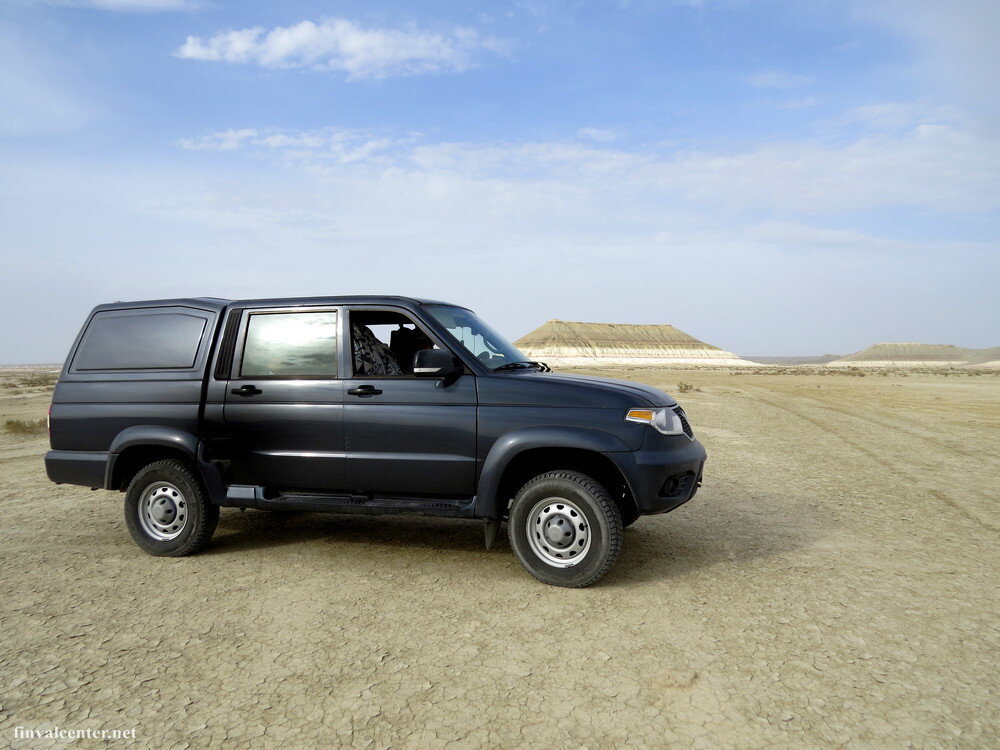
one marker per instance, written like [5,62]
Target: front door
[284,402]
[404,435]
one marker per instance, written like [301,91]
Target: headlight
[662,419]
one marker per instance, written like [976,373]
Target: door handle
[364,390]
[246,390]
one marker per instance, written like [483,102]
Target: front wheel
[565,529]
[167,511]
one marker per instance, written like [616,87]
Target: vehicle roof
[217,303]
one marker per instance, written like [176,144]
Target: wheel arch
[522,454]
[138,446]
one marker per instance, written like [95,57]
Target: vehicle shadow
[238,531]
[716,528]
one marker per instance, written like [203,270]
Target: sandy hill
[914,354]
[562,342]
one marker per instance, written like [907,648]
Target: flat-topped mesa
[567,343]
[907,354]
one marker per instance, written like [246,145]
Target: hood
[655,396]
[559,389]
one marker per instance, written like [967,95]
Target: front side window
[384,343]
[488,346]
[291,346]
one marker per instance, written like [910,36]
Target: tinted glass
[140,341]
[292,346]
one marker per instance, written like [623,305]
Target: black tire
[598,532]
[169,482]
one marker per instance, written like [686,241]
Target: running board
[247,496]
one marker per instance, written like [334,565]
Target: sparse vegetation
[24,426]
[684,387]
[857,372]
[36,379]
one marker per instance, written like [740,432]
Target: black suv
[360,405]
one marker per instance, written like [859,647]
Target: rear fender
[167,437]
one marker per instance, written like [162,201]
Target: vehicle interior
[384,342]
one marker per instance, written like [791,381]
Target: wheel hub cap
[558,532]
[163,511]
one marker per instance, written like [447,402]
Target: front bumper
[666,472]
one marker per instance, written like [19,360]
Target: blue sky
[772,176]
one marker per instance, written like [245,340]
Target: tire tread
[205,522]
[609,507]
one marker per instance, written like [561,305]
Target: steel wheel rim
[163,511]
[558,532]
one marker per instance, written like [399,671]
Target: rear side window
[127,340]
[291,346]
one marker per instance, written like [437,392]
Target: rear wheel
[167,511]
[565,529]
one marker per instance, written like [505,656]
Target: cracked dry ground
[835,583]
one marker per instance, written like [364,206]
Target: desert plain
[834,583]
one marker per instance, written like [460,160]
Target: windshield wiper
[523,365]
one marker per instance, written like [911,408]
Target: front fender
[512,443]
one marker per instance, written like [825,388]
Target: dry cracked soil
[835,583]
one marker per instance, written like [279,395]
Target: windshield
[488,346]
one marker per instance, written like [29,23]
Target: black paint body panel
[421,445]
[413,438]
[291,436]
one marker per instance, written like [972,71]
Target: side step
[255,497]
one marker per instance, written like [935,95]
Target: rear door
[406,435]
[284,400]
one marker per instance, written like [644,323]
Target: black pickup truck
[360,405]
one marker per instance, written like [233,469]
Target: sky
[770,176]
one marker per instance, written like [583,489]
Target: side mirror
[435,363]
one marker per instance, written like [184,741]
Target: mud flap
[491,526]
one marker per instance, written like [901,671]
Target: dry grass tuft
[39,379]
[24,426]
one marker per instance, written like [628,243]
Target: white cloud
[929,165]
[762,240]
[310,147]
[133,6]
[933,167]
[776,79]
[956,42]
[553,242]
[899,116]
[800,236]
[227,140]
[341,45]
[602,135]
